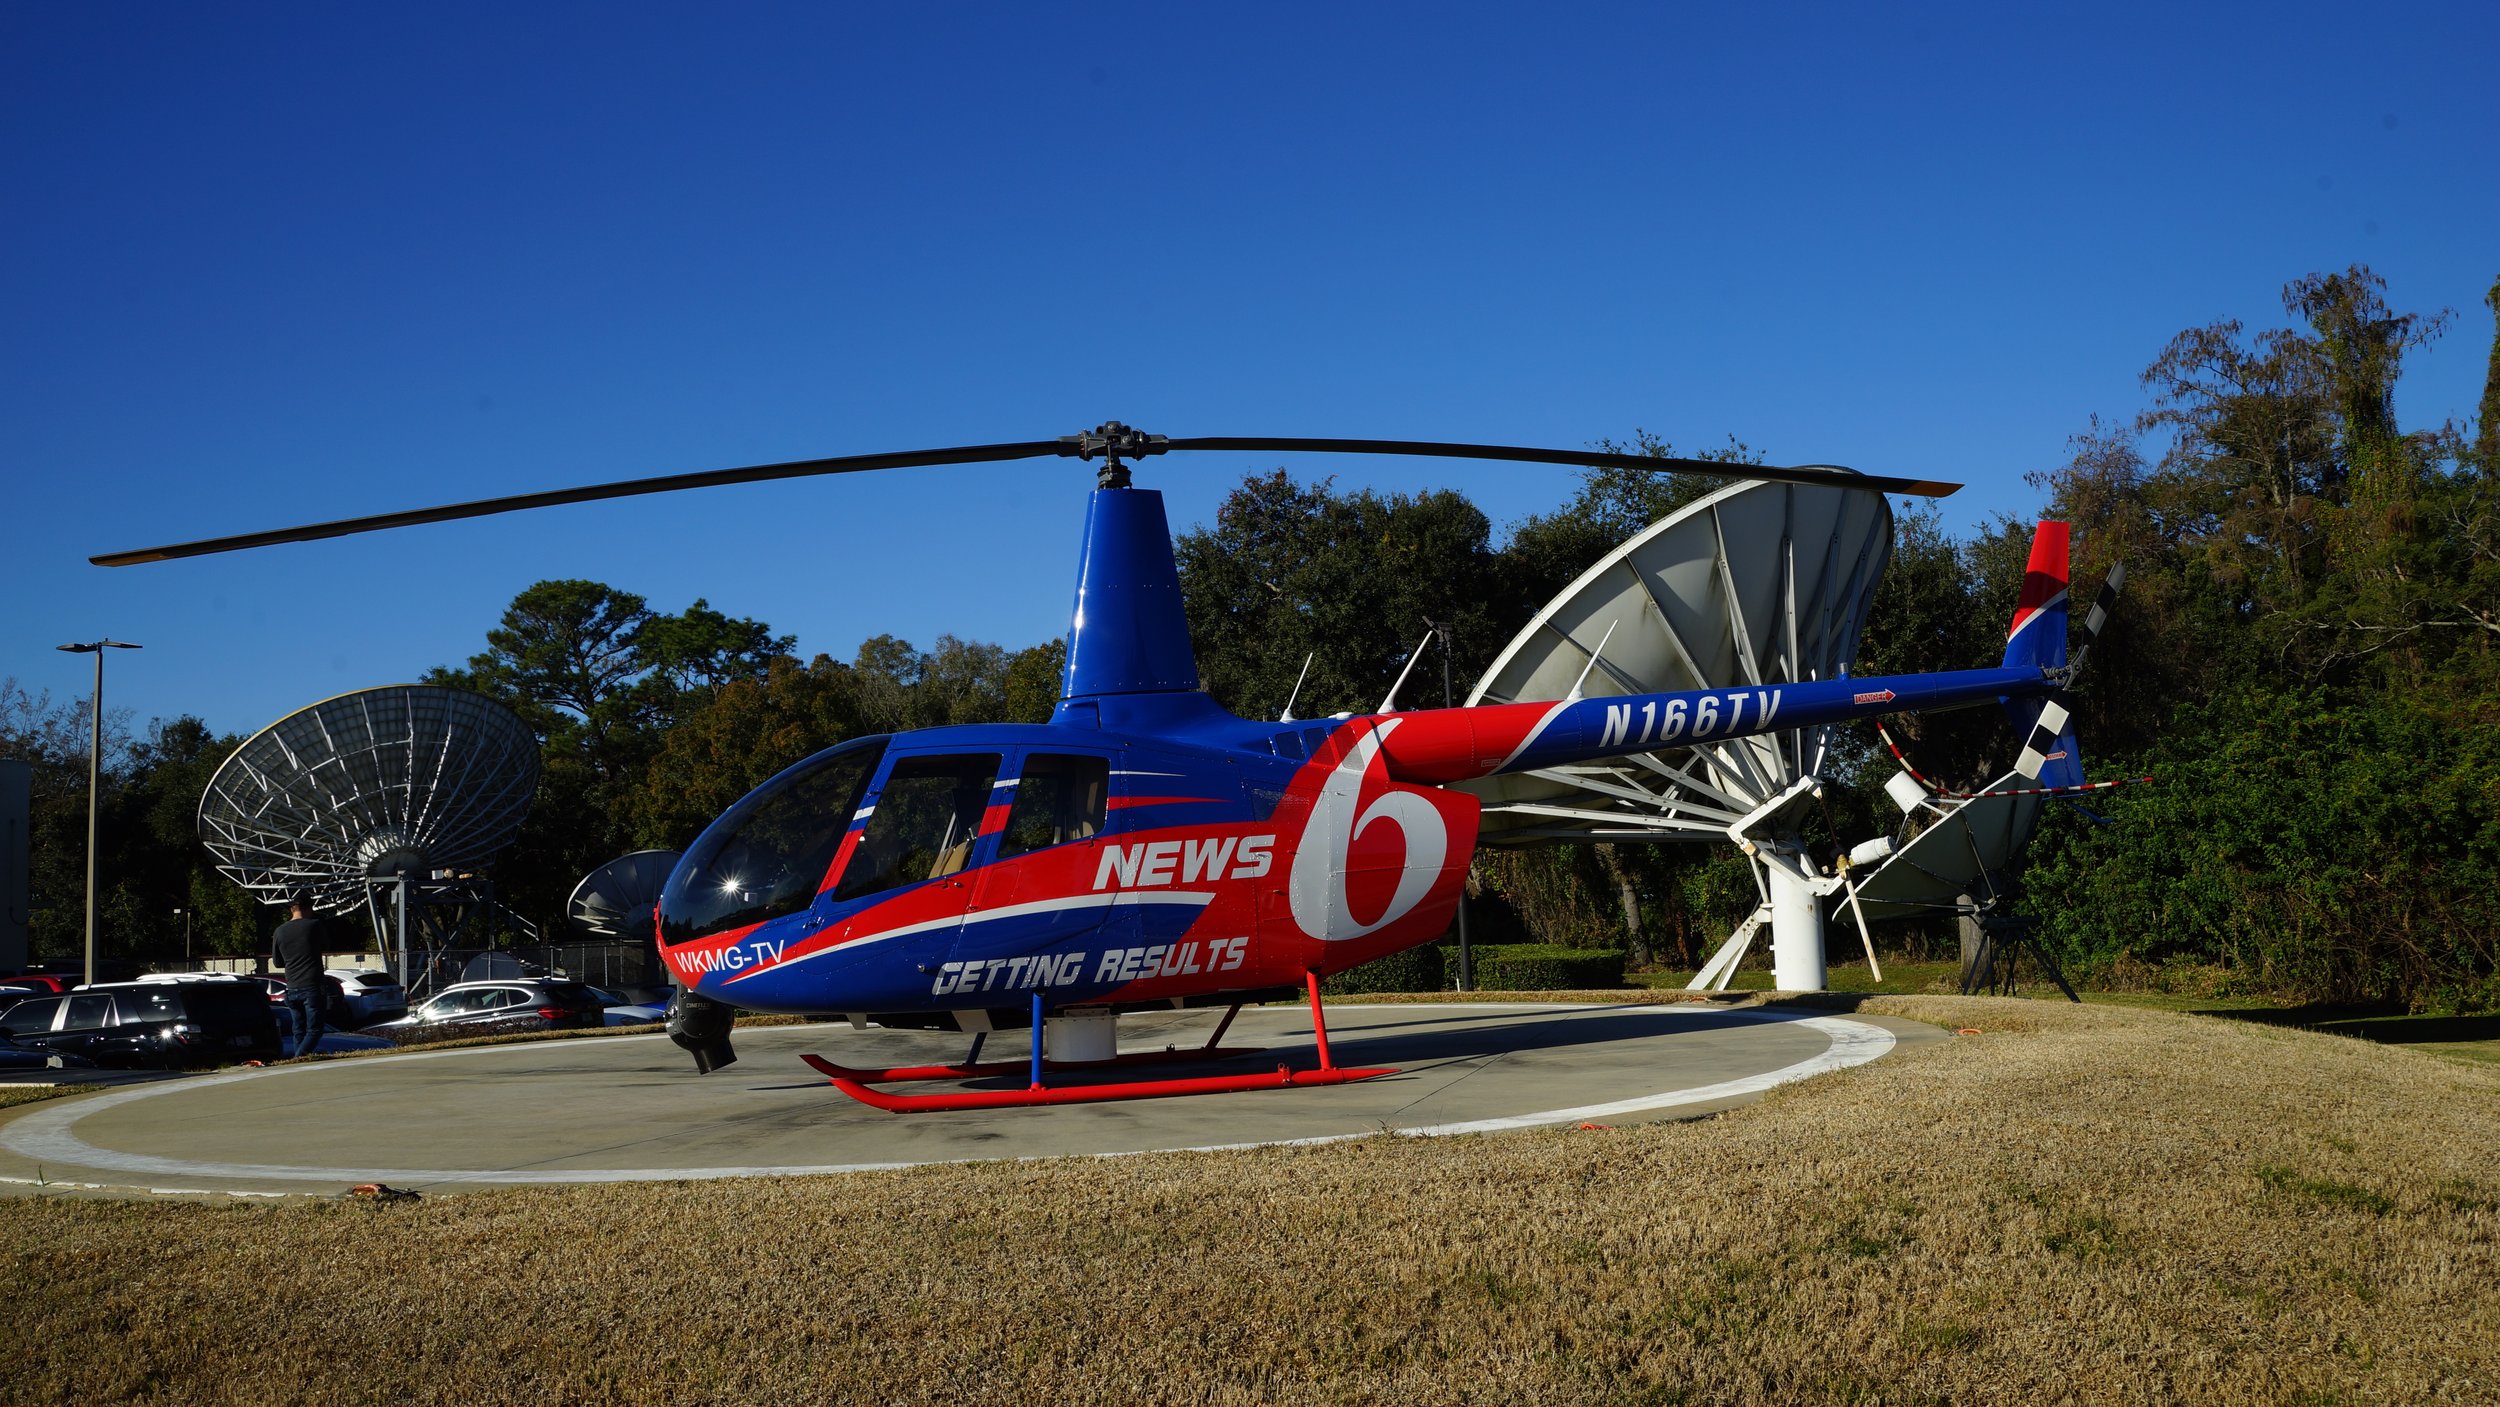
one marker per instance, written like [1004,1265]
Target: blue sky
[271,264]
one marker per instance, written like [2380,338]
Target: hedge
[1544,967]
[1415,970]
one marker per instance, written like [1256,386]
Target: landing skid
[856,1082]
[991,1068]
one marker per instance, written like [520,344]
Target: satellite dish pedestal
[399,923]
[1796,933]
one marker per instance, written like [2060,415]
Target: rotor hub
[1114,442]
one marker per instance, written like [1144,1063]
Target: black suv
[145,1024]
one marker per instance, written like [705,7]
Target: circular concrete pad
[632,1108]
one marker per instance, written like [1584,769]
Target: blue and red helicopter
[1146,849]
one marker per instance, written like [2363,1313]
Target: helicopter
[1146,849]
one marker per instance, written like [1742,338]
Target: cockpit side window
[768,855]
[927,817]
[1061,798]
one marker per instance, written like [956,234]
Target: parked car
[498,1008]
[149,1024]
[17,1057]
[11,993]
[48,981]
[334,1041]
[334,1008]
[625,1011]
[370,996]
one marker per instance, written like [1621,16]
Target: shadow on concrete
[1422,1044]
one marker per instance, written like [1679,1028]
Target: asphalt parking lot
[632,1108]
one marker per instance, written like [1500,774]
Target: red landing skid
[855,1083]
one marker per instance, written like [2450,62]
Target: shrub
[1543,967]
[2321,846]
[1415,970]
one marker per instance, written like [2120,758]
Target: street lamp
[95,770]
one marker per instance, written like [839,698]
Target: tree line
[2304,659]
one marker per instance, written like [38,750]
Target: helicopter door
[1037,901]
[923,829]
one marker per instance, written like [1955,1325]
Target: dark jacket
[296,949]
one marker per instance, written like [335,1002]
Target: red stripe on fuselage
[690,962]
[1452,744]
[841,857]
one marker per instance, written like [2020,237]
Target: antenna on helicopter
[1575,695]
[1390,704]
[1287,715]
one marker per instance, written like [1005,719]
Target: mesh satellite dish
[1955,864]
[1757,584]
[616,899]
[405,791]
[1957,856]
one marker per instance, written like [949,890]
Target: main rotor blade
[1120,440]
[1831,475]
[665,483]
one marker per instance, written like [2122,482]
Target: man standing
[295,949]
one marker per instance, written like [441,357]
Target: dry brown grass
[2080,1205]
[12,1095]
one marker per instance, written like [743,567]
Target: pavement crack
[1474,1066]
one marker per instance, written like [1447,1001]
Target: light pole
[185,915]
[95,772]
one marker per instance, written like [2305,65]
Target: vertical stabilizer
[2037,640]
[1128,634]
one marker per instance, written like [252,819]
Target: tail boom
[1449,745]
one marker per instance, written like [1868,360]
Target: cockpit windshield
[768,854]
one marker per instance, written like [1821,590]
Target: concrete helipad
[632,1109]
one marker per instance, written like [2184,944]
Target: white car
[624,1011]
[371,996]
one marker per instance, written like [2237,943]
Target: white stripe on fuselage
[2042,609]
[1533,734]
[979,916]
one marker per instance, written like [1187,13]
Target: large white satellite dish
[1756,584]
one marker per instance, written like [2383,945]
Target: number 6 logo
[1317,889]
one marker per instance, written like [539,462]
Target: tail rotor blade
[2102,605]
